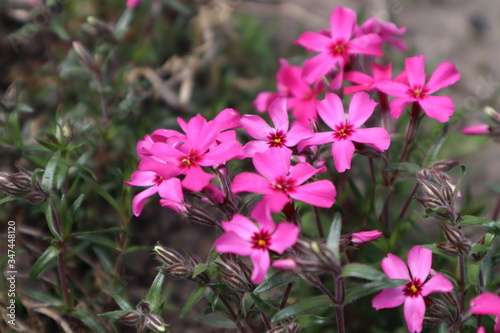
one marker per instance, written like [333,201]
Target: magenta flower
[201,149]
[301,97]
[245,238]
[336,49]
[279,182]
[386,31]
[158,176]
[133,3]
[419,91]
[487,304]
[346,130]
[412,293]
[361,237]
[368,83]
[268,137]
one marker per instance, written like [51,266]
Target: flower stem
[286,293]
[317,218]
[462,290]
[339,310]
[407,203]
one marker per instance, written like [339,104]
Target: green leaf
[50,171]
[363,271]
[70,216]
[105,195]
[193,299]
[279,278]
[333,239]
[154,293]
[302,306]
[307,321]
[459,183]
[215,321]
[89,320]
[123,23]
[7,199]
[474,220]
[122,303]
[381,194]
[50,146]
[50,253]
[435,150]
[494,187]
[354,292]
[51,223]
[264,306]
[95,232]
[201,268]
[247,303]
[113,314]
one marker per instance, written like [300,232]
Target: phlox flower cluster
[291,153]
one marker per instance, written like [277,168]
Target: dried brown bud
[167,256]
[178,271]
[444,165]
[143,307]
[155,323]
[448,248]
[131,318]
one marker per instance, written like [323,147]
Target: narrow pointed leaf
[193,299]
[363,271]
[154,294]
[303,306]
[360,290]
[50,171]
[46,258]
[278,279]
[333,239]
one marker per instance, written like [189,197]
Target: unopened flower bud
[448,248]
[35,197]
[445,165]
[361,237]
[192,258]
[155,323]
[481,129]
[452,233]
[178,271]
[143,307]
[131,318]
[287,264]
[233,275]
[8,187]
[168,256]
[84,56]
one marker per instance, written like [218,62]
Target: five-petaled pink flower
[336,49]
[346,130]
[419,91]
[268,137]
[245,238]
[279,182]
[386,31]
[487,304]
[412,293]
[368,83]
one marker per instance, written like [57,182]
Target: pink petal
[331,110]
[349,90]
[414,311]
[318,66]
[228,119]
[142,178]
[485,304]
[445,75]
[305,112]
[395,268]
[382,72]
[261,262]
[392,88]
[398,105]
[196,179]
[256,127]
[262,213]
[419,262]
[230,242]
[481,129]
[284,237]
[389,298]
[165,151]
[279,114]
[414,67]
[140,200]
[437,284]
[440,108]
[298,132]
[242,226]
[313,41]
[370,44]
[162,169]
[290,77]
[287,263]
[222,153]
[358,77]
[342,22]
[342,152]
[171,189]
[302,172]
[362,237]
[375,136]
[250,182]
[338,79]
[360,109]
[317,139]
[320,193]
[273,163]
[263,100]
[252,147]
[276,201]
[200,133]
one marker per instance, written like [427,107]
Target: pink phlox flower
[368,83]
[481,129]
[279,182]
[159,177]
[199,150]
[346,130]
[279,136]
[336,49]
[285,264]
[386,31]
[418,90]
[412,293]
[361,237]
[487,304]
[245,238]
[132,3]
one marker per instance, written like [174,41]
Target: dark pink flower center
[413,288]
[159,179]
[190,160]
[261,240]
[343,131]
[284,184]
[339,49]
[417,92]
[276,139]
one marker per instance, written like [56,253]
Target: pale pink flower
[268,137]
[481,129]
[386,31]
[246,238]
[487,304]
[279,182]
[336,49]
[412,293]
[346,130]
[418,90]
[361,237]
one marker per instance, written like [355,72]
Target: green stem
[317,218]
